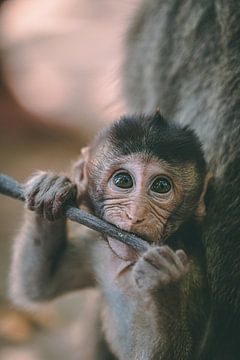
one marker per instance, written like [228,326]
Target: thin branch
[12,188]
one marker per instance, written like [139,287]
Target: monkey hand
[47,194]
[160,267]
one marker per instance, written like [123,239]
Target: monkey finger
[35,204]
[182,256]
[36,198]
[30,198]
[47,186]
[154,258]
[68,193]
[32,186]
[57,208]
[65,195]
[30,203]
[47,210]
[148,276]
[172,257]
[168,254]
[174,263]
[39,209]
[62,184]
[46,203]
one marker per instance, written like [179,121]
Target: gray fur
[181,57]
[184,57]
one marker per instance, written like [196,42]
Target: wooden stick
[12,188]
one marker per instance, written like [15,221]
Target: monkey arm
[45,264]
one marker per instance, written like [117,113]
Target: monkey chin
[122,251]
[126,252]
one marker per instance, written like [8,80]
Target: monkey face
[138,198]
[146,196]
[145,175]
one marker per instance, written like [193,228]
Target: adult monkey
[184,56]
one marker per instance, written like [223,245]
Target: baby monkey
[147,176]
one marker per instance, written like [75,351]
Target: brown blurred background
[59,84]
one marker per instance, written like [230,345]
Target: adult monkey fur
[153,183]
[184,56]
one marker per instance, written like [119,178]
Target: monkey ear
[80,175]
[200,211]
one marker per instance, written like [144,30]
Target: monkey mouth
[127,252]
[150,238]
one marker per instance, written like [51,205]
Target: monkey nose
[135,218]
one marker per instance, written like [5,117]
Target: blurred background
[59,84]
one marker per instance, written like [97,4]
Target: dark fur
[155,136]
[184,57]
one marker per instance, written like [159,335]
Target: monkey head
[145,175]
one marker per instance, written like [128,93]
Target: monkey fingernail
[182,256]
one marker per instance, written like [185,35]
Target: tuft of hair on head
[157,116]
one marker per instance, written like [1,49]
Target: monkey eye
[123,180]
[161,185]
